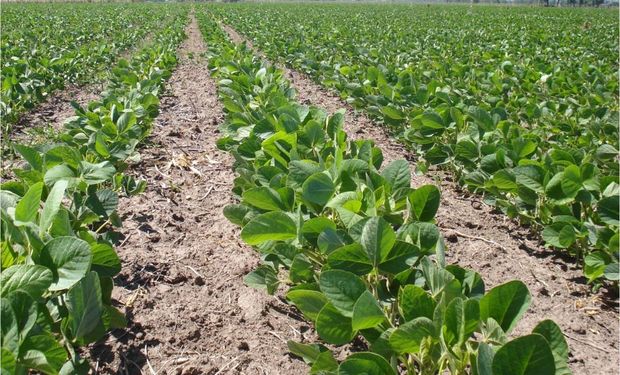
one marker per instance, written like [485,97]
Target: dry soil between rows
[183,262]
[480,238]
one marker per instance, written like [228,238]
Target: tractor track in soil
[181,286]
[483,239]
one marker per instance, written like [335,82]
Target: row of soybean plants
[47,46]
[520,104]
[58,218]
[353,245]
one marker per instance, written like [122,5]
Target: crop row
[46,47]
[58,218]
[528,118]
[354,247]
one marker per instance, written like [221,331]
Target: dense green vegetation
[58,217]
[45,47]
[521,104]
[355,246]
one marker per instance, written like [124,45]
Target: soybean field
[322,188]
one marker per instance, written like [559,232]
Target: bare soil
[181,286]
[480,238]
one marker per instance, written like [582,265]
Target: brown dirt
[181,285]
[480,238]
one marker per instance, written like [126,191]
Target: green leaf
[571,181]
[393,113]
[505,180]
[402,256]
[264,277]
[424,202]
[408,337]
[608,210]
[397,174]
[367,312]
[59,173]
[10,327]
[308,352]
[350,258]
[606,152]
[560,235]
[318,189]
[69,258]
[335,122]
[429,123]
[553,334]
[325,364]
[333,327]
[301,269]
[31,155]
[8,363]
[105,260]
[461,319]
[28,207]
[342,289]
[79,366]
[530,176]
[263,198]
[330,240]
[365,363]
[414,302]
[612,271]
[506,304]
[595,264]
[19,315]
[312,228]
[52,205]
[554,190]
[271,226]
[484,360]
[126,121]
[31,279]
[43,353]
[299,171]
[101,145]
[467,150]
[377,239]
[482,119]
[113,318]
[83,302]
[527,355]
[97,173]
[237,213]
[309,302]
